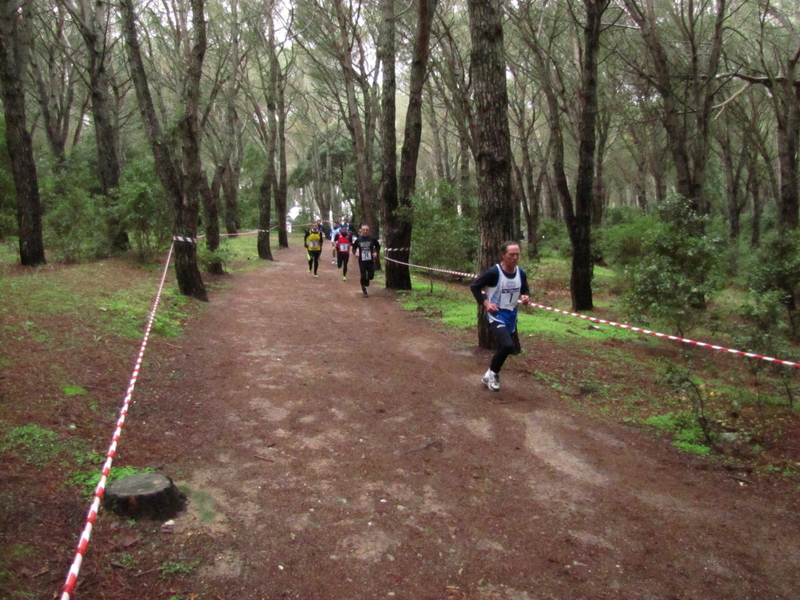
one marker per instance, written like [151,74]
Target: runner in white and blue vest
[500,289]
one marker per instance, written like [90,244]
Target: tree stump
[144,495]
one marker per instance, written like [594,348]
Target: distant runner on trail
[366,248]
[342,242]
[313,244]
[334,232]
[500,289]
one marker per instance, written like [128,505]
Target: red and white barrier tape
[629,327]
[670,337]
[72,576]
[242,232]
[399,262]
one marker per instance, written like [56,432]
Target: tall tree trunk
[229,176]
[211,213]
[580,222]
[14,55]
[758,207]
[465,190]
[388,188]
[264,209]
[437,149]
[532,201]
[189,125]
[106,133]
[399,221]
[492,139]
[577,217]
[281,188]
[230,197]
[268,183]
[184,205]
[787,100]
[599,195]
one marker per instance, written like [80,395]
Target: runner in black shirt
[366,248]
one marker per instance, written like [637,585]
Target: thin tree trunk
[281,193]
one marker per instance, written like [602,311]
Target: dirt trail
[336,447]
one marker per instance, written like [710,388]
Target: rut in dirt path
[336,447]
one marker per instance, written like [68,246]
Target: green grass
[37,445]
[172,567]
[128,311]
[42,294]
[119,313]
[454,305]
[43,447]
[73,390]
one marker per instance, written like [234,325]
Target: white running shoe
[491,380]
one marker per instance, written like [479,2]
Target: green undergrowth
[684,428]
[128,311]
[75,296]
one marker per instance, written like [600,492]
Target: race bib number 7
[509,297]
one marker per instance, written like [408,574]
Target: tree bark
[388,188]
[264,210]
[580,222]
[492,139]
[14,56]
[281,176]
[399,219]
[211,212]
[229,179]
[268,182]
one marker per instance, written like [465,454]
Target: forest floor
[338,447]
